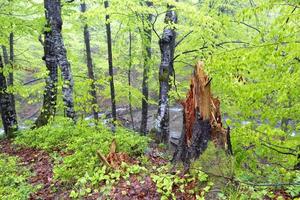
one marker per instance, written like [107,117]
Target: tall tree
[10,80]
[89,60]
[110,64]
[54,21]
[8,113]
[146,40]
[50,91]
[129,78]
[167,47]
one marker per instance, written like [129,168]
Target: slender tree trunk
[129,79]
[110,64]
[53,16]
[50,91]
[10,80]
[8,113]
[167,47]
[5,55]
[146,39]
[89,60]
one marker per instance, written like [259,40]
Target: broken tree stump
[201,120]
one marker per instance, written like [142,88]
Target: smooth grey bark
[147,53]
[54,20]
[167,47]
[8,113]
[86,35]
[110,65]
[50,91]
[129,78]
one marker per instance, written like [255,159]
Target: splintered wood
[201,105]
[114,159]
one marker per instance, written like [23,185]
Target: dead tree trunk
[8,113]
[54,20]
[89,60]
[50,91]
[167,47]
[110,64]
[147,53]
[201,120]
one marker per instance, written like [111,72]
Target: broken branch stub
[201,119]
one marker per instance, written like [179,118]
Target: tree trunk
[201,120]
[167,47]
[5,55]
[146,40]
[129,78]
[110,64]
[50,91]
[53,16]
[8,113]
[10,80]
[89,60]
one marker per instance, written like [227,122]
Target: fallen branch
[103,159]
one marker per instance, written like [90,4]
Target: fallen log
[202,120]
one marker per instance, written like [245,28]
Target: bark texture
[110,64]
[54,20]
[167,47]
[8,113]
[90,66]
[201,120]
[147,54]
[50,91]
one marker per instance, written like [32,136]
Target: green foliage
[166,182]
[104,177]
[81,141]
[13,179]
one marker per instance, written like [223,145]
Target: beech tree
[86,35]
[146,35]
[110,64]
[8,112]
[166,69]
[55,54]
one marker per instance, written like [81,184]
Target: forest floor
[80,161]
[137,186]
[41,164]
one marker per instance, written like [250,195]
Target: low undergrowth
[13,179]
[146,173]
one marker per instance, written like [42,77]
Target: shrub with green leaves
[81,141]
[13,179]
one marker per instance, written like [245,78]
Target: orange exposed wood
[200,100]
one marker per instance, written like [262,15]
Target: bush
[81,141]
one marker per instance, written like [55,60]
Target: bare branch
[183,38]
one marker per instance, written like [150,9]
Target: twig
[278,151]
[103,159]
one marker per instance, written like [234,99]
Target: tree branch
[206,46]
[183,38]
